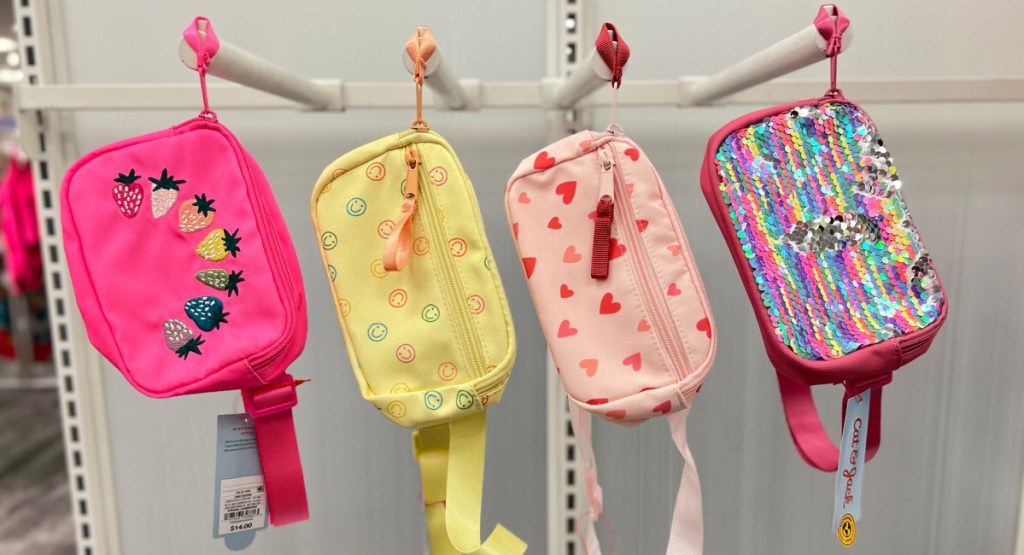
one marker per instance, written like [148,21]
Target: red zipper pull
[603,219]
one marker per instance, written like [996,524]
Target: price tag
[240,497]
[850,476]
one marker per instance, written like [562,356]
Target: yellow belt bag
[424,315]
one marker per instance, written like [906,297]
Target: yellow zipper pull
[396,248]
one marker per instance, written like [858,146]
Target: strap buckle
[854,388]
[272,398]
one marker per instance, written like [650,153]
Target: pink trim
[860,370]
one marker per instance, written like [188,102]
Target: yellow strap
[451,459]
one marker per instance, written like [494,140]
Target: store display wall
[947,479]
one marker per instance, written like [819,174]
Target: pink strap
[809,435]
[832,31]
[581,429]
[687,536]
[270,406]
[205,45]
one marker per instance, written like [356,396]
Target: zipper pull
[396,248]
[603,219]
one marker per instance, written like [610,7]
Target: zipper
[266,359]
[650,290]
[455,294]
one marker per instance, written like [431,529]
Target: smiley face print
[377,269]
[447,371]
[458,246]
[356,207]
[375,171]
[464,399]
[438,176]
[475,304]
[433,399]
[405,353]
[385,228]
[329,240]
[377,332]
[430,313]
[421,246]
[398,298]
[332,271]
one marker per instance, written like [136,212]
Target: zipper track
[455,293]
[274,353]
[650,290]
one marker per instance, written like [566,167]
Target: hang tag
[850,476]
[240,497]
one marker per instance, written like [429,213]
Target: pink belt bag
[617,293]
[811,207]
[186,276]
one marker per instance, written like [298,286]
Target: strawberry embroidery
[207,312]
[165,193]
[196,215]
[218,244]
[181,339]
[221,279]
[128,194]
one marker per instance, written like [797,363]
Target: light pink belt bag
[186,276]
[617,293]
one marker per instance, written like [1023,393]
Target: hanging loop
[201,38]
[831,25]
[419,48]
[614,52]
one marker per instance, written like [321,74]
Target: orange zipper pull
[603,219]
[396,248]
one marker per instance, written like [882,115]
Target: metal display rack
[46,99]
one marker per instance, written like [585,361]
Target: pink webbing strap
[200,36]
[809,435]
[581,429]
[270,407]
[831,27]
[687,536]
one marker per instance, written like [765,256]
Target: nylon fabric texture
[423,313]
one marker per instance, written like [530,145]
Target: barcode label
[241,514]
[243,505]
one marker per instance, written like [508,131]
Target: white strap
[581,429]
[687,536]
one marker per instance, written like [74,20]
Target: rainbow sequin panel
[815,200]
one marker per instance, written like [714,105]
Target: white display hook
[803,48]
[242,67]
[452,93]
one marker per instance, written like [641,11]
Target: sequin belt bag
[811,207]
[422,310]
[186,276]
[618,297]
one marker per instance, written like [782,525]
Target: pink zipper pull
[603,220]
[396,248]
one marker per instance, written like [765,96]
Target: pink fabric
[859,370]
[132,250]
[132,274]
[601,326]
[599,332]
[20,229]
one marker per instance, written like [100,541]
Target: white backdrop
[948,477]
